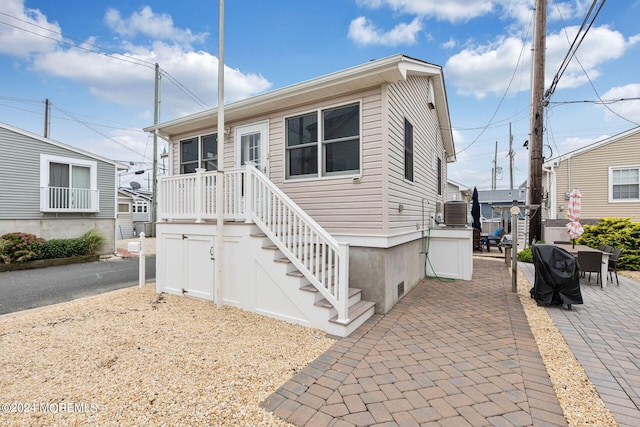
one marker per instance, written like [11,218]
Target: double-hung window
[68,184]
[199,151]
[324,142]
[624,184]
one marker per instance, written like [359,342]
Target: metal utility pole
[220,175]
[511,154]
[537,119]
[154,191]
[47,108]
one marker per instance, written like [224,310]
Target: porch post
[199,194]
[250,170]
[343,283]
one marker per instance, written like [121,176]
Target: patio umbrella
[475,210]
[573,215]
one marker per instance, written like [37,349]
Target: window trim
[321,144]
[610,184]
[199,163]
[45,162]
[408,173]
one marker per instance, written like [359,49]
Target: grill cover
[557,276]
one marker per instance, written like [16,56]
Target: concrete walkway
[604,335]
[448,354]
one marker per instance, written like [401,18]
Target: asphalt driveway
[25,289]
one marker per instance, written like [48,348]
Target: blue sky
[94,61]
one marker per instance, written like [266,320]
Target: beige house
[330,186]
[607,173]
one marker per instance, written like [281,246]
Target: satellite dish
[135,185]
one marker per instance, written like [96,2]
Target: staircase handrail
[332,282]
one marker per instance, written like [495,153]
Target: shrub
[4,257]
[619,233]
[20,247]
[526,255]
[92,239]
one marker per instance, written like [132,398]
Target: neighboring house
[54,190]
[457,191]
[138,214]
[607,173]
[357,157]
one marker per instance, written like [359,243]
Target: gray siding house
[54,190]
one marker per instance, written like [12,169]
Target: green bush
[92,239]
[20,247]
[618,233]
[526,255]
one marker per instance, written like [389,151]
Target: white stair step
[355,311]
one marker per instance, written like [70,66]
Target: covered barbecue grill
[557,279]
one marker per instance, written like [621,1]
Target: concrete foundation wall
[379,271]
[63,229]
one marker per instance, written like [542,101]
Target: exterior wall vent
[400,289]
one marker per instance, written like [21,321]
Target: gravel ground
[133,357]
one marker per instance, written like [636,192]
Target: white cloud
[364,32]
[450,10]
[449,44]
[125,83]
[159,26]
[487,69]
[630,109]
[26,30]
[574,143]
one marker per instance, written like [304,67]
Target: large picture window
[199,151]
[624,184]
[324,143]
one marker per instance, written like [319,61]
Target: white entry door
[252,143]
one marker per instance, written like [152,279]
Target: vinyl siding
[338,204]
[408,99]
[20,178]
[589,172]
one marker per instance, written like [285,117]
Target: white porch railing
[250,195]
[65,199]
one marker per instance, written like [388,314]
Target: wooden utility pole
[511,154]
[537,120]
[494,175]
[47,107]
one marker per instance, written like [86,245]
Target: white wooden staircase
[316,307]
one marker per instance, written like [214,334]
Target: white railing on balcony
[65,199]
[193,196]
[251,196]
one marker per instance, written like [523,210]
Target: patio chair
[590,262]
[477,240]
[613,264]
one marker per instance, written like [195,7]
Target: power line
[100,50]
[87,125]
[504,95]
[577,41]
